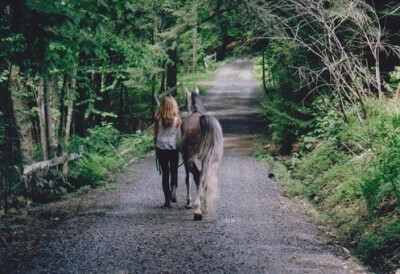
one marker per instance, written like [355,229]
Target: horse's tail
[211,150]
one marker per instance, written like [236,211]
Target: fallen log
[52,162]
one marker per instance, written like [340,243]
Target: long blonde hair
[167,112]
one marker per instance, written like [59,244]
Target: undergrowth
[106,151]
[351,174]
[201,79]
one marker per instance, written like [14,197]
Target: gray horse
[201,138]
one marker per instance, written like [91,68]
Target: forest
[80,78]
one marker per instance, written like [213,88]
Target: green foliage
[288,105]
[351,172]
[325,124]
[136,145]
[190,80]
[200,79]
[91,170]
[287,120]
[347,159]
[376,247]
[44,187]
[394,81]
[105,152]
[370,188]
[382,182]
[106,59]
[101,140]
[282,57]
[320,160]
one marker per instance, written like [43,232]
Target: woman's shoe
[167,204]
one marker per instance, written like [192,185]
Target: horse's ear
[187,92]
[196,90]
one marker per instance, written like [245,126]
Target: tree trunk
[10,154]
[51,119]
[162,85]
[263,72]
[121,108]
[172,69]
[108,80]
[5,193]
[80,122]
[40,101]
[378,74]
[62,110]
[154,77]
[132,126]
[221,52]
[71,101]
[97,82]
[153,92]
[195,42]
[70,104]
[22,101]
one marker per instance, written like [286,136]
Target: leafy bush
[47,186]
[100,140]
[350,171]
[91,170]
[136,145]
[394,81]
[319,160]
[382,182]
[325,125]
[105,151]
[375,248]
[287,104]
[370,189]
[282,57]
[287,120]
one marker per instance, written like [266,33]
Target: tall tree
[11,157]
[335,38]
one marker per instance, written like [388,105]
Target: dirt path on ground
[256,229]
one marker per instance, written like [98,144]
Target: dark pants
[168,160]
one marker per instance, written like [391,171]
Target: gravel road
[256,229]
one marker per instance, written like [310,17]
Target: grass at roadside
[202,79]
[350,173]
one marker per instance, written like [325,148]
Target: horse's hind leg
[198,214]
[198,202]
[191,166]
[188,195]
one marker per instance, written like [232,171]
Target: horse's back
[191,134]
[191,130]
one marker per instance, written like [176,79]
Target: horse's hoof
[188,206]
[198,217]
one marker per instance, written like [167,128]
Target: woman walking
[166,125]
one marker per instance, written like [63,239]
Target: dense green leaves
[325,65]
[70,66]
[69,69]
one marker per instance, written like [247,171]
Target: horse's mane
[197,104]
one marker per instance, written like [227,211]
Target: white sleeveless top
[166,138]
